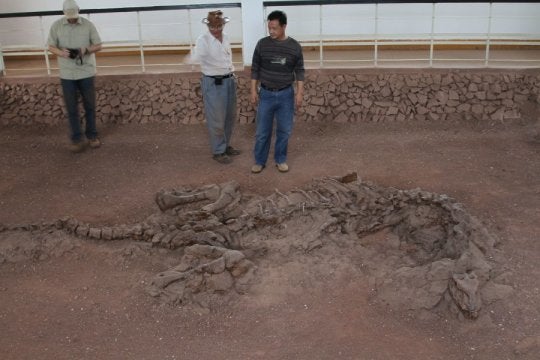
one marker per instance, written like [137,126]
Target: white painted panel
[302,21]
[117,27]
[166,27]
[516,19]
[348,20]
[461,21]
[462,10]
[8,6]
[516,9]
[21,31]
[402,20]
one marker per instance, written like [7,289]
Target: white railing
[176,34]
[421,27]
[370,35]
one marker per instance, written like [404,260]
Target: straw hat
[215,18]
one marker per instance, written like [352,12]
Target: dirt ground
[87,300]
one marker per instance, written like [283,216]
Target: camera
[74,53]
[77,55]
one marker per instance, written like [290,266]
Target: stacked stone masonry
[344,96]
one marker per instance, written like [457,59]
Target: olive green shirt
[64,35]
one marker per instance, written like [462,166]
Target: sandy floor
[87,302]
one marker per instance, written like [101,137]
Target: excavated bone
[464,291]
[227,194]
[163,279]
[203,269]
[168,200]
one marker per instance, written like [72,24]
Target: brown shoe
[94,143]
[77,147]
[232,151]
[222,158]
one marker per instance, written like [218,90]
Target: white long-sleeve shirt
[214,56]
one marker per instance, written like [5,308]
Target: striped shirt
[64,35]
[277,64]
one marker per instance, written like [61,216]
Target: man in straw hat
[74,40]
[218,84]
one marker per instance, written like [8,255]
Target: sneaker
[222,158]
[257,168]
[77,147]
[232,151]
[94,143]
[283,167]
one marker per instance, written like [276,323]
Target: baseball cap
[71,9]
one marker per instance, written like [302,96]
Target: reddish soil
[88,302]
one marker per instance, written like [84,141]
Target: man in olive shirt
[74,40]
[277,62]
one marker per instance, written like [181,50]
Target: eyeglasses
[214,28]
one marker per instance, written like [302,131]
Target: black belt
[220,76]
[274,89]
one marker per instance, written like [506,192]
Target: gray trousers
[219,111]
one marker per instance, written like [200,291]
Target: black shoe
[232,151]
[222,158]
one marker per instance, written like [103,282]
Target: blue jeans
[219,111]
[71,90]
[278,105]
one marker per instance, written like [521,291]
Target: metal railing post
[376,44]
[45,48]
[432,35]
[141,48]
[191,40]
[2,66]
[320,36]
[488,38]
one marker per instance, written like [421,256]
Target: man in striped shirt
[277,63]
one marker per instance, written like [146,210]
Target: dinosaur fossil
[440,251]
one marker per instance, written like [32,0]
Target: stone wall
[330,95]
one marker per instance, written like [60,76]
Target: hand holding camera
[77,54]
[74,53]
